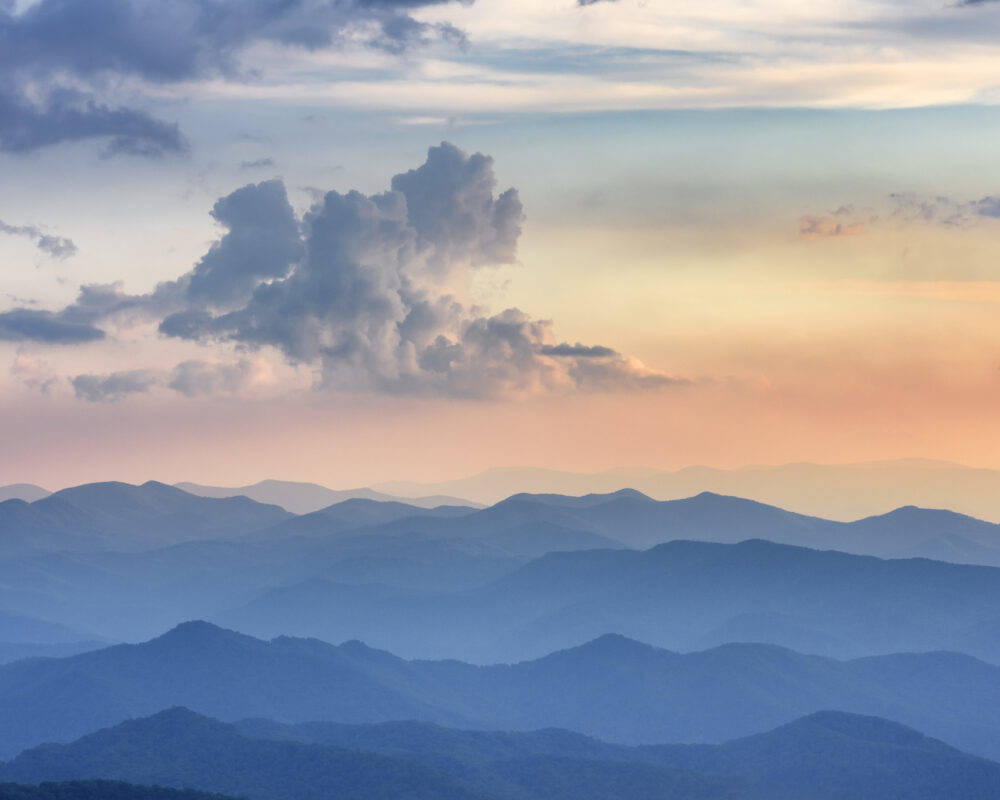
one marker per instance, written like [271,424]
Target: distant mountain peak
[634,494]
[199,632]
[614,643]
[863,726]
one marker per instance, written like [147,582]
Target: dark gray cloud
[257,163]
[57,247]
[361,289]
[57,57]
[32,325]
[113,387]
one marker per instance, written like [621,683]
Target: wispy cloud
[58,247]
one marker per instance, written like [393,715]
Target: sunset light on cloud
[367,241]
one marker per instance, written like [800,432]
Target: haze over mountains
[121,562]
[302,498]
[667,630]
[835,491]
[843,492]
[119,516]
[825,756]
[612,688]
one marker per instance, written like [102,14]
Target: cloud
[367,290]
[32,372]
[908,208]
[57,247]
[593,2]
[451,207]
[576,351]
[357,288]
[194,378]
[59,56]
[113,387]
[620,373]
[988,207]
[262,242]
[64,115]
[33,325]
[190,378]
[946,211]
[829,226]
[257,163]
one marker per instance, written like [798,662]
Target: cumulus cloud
[113,387]
[57,247]
[59,56]
[366,289]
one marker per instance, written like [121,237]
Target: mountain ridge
[824,756]
[614,688]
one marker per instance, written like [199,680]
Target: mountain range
[28,492]
[699,621]
[842,492]
[548,571]
[612,688]
[303,498]
[825,756]
[682,595]
[834,491]
[119,516]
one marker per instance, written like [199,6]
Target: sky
[351,241]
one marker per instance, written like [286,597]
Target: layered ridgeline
[125,517]
[612,688]
[303,498]
[681,595]
[835,491]
[119,516]
[826,756]
[25,637]
[495,584]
